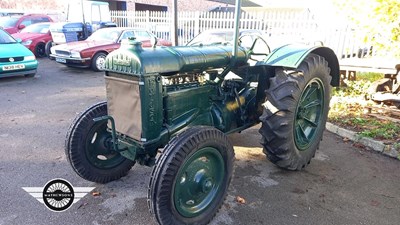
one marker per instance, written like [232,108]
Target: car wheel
[40,50]
[47,49]
[98,61]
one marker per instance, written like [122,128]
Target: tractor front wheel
[190,180]
[88,147]
[295,113]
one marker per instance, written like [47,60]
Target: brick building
[152,5]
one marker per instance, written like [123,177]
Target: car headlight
[29,58]
[75,54]
[27,42]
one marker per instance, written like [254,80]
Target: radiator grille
[124,105]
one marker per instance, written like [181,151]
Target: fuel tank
[132,59]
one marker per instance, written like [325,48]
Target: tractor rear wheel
[190,180]
[89,150]
[295,113]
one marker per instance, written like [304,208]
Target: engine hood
[14,50]
[79,46]
[63,27]
[28,36]
[132,59]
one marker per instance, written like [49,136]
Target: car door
[24,22]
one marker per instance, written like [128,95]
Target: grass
[348,111]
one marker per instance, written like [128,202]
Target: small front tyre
[190,180]
[89,150]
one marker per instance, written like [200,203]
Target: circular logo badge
[11,59]
[58,195]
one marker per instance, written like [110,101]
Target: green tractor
[173,107]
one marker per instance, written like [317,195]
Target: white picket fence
[280,27]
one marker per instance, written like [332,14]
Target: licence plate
[61,60]
[14,67]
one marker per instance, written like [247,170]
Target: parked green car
[15,59]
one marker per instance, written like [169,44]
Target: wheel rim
[198,182]
[99,148]
[308,114]
[100,62]
[40,51]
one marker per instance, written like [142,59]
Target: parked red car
[35,37]
[13,24]
[93,51]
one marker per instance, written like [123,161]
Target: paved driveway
[342,185]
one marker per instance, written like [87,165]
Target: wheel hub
[99,148]
[199,182]
[309,114]
[207,185]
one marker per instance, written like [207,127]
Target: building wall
[183,5]
[60,6]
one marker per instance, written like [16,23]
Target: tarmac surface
[344,184]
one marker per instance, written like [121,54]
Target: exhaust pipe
[236,32]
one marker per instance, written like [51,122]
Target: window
[127,34]
[142,35]
[96,13]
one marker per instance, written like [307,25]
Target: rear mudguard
[291,55]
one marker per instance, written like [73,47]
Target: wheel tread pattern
[278,115]
[74,148]
[167,165]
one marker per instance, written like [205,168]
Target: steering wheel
[256,38]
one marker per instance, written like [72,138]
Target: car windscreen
[212,38]
[105,35]
[8,21]
[36,28]
[5,38]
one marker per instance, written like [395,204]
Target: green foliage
[380,19]
[384,130]
[369,76]
[347,110]
[353,89]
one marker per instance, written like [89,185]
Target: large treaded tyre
[190,180]
[88,148]
[295,113]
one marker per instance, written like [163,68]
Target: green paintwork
[167,109]
[198,182]
[132,59]
[309,113]
[98,150]
[152,107]
[292,55]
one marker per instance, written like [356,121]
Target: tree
[380,19]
